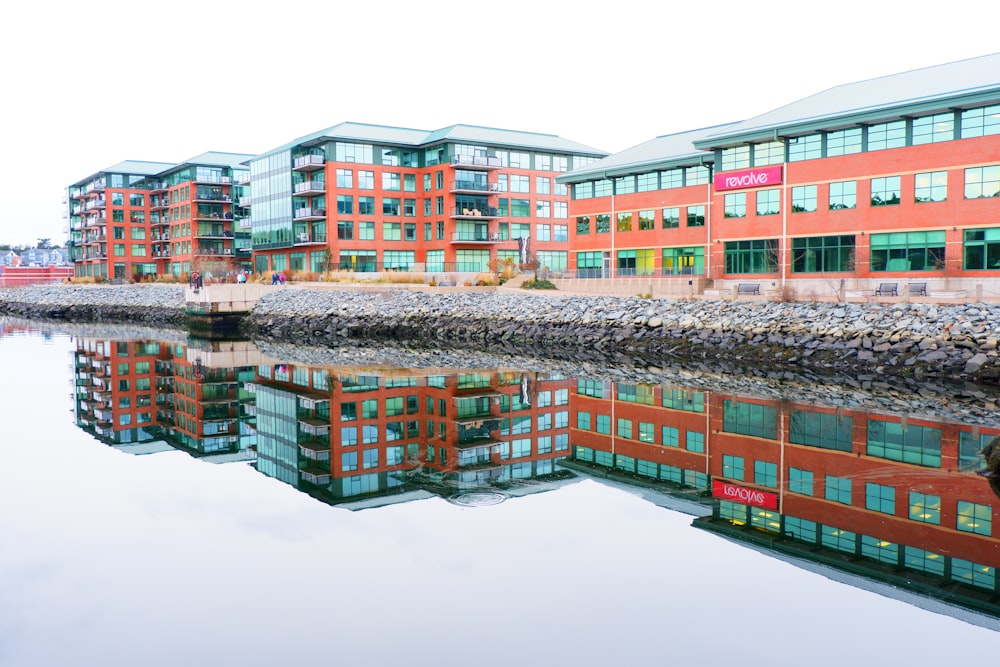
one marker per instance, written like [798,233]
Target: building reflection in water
[897,498]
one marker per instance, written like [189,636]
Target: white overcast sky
[86,85]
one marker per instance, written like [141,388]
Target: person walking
[274,278]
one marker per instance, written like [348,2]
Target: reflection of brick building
[885,494]
[131,391]
[343,435]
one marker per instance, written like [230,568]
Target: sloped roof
[215,158]
[400,136]
[669,150]
[962,83]
[134,167]
[499,137]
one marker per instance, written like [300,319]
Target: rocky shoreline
[898,342]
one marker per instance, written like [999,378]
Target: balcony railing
[485,212]
[474,186]
[310,187]
[308,163]
[476,237]
[481,162]
[304,238]
[307,213]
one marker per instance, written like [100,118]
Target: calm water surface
[174,504]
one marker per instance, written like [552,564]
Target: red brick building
[369,198]
[894,180]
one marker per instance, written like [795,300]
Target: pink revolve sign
[749,178]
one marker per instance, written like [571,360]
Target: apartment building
[890,180]
[138,219]
[367,198]
[110,222]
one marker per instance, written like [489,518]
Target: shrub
[538,284]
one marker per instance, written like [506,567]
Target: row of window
[895,251]
[980,182]
[464,180]
[956,569]
[934,128]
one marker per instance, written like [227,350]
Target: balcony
[308,163]
[488,212]
[308,213]
[307,188]
[158,204]
[305,238]
[476,162]
[224,180]
[213,196]
[96,203]
[476,237]
[314,427]
[475,187]
[159,186]
[244,201]
[95,186]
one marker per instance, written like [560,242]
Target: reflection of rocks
[991,453]
[895,341]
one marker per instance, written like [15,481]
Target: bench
[887,289]
[748,288]
[918,289]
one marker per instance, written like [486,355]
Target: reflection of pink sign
[751,178]
[741,494]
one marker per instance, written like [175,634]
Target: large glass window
[934,129]
[843,142]
[887,135]
[647,219]
[843,194]
[800,481]
[760,256]
[671,178]
[838,489]
[930,186]
[696,216]
[769,152]
[821,429]
[752,419]
[981,249]
[768,202]
[737,157]
[671,217]
[808,147]
[910,443]
[765,473]
[907,251]
[880,498]
[823,254]
[684,261]
[646,182]
[925,508]
[804,199]
[974,518]
[583,225]
[736,205]
[981,182]
[732,467]
[981,121]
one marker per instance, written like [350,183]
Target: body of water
[174,502]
